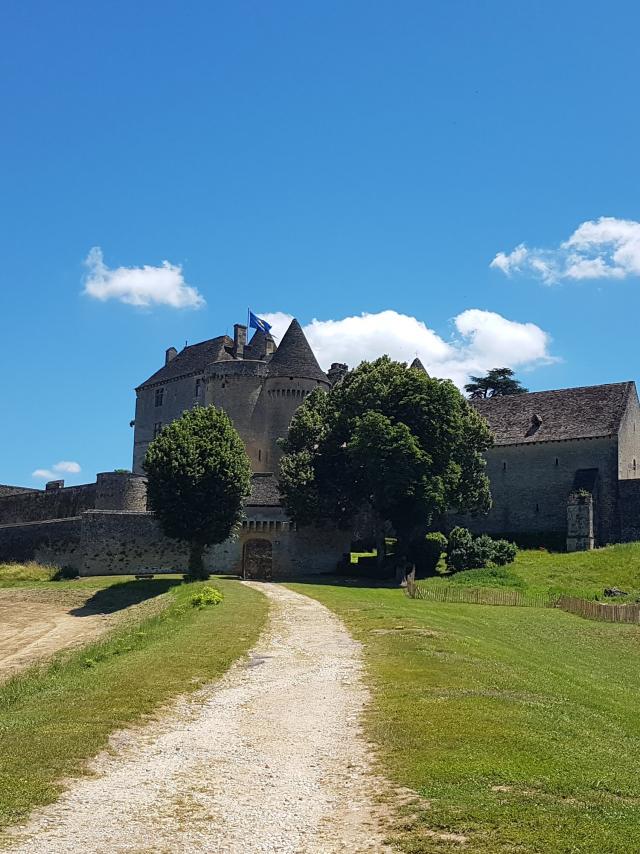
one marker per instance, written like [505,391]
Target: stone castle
[564,470]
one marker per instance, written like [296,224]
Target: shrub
[426,553]
[504,552]
[64,573]
[205,597]
[468,552]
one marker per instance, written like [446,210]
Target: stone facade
[549,444]
[258,385]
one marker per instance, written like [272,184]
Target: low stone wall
[108,542]
[42,506]
[56,542]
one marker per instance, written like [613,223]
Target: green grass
[518,726]
[582,574]
[10,573]
[53,718]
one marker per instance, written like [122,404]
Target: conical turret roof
[294,357]
[417,365]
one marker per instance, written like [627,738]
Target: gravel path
[268,759]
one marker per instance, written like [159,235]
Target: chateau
[564,469]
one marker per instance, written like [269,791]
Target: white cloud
[482,340]
[54,473]
[141,286]
[606,248]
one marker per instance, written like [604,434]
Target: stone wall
[530,485]
[580,523]
[5,489]
[629,500]
[41,506]
[55,542]
[629,440]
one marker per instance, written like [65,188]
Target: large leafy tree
[496,383]
[198,475]
[389,439]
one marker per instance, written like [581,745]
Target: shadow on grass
[108,600]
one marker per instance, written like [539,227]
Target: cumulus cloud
[54,473]
[606,248]
[480,340]
[140,286]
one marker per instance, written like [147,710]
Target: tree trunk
[196,572]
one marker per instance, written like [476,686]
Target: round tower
[235,386]
[121,490]
[291,374]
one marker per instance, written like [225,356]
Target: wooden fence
[600,610]
[590,610]
[479,595]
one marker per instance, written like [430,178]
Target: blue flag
[258,323]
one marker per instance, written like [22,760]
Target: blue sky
[321,160]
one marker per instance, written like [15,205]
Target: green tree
[497,383]
[389,439]
[198,475]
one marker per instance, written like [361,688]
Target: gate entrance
[257,560]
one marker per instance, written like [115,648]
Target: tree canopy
[496,383]
[198,475]
[388,438]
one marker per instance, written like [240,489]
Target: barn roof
[193,359]
[553,416]
[294,357]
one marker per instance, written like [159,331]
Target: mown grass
[582,574]
[53,718]
[518,726]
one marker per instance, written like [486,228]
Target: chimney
[53,485]
[239,340]
[170,354]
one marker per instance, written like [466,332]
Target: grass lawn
[582,574]
[53,718]
[518,726]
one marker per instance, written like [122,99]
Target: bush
[426,553]
[468,552]
[65,573]
[205,597]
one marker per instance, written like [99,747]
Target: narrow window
[504,466]
[198,388]
[557,461]
[537,508]
[259,454]
[157,429]
[159,396]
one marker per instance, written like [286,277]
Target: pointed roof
[417,365]
[257,347]
[552,416]
[294,357]
[193,359]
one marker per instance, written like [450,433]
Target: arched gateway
[257,560]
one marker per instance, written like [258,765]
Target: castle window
[198,387]
[159,396]
[537,508]
[504,466]
[157,429]
[557,461]
[259,454]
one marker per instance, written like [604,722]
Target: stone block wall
[580,523]
[531,483]
[41,506]
[56,542]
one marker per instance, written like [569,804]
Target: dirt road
[269,759]
[35,623]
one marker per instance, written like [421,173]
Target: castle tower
[292,373]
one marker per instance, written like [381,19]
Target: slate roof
[294,357]
[553,416]
[417,365]
[257,347]
[193,359]
[264,491]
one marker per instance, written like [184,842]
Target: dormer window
[159,396]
